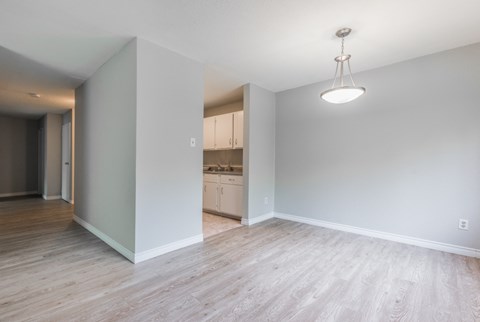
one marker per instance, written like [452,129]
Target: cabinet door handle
[236,142]
[230,141]
[221,191]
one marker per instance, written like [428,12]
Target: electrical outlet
[463,224]
[192,142]
[265,200]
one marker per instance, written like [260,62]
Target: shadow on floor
[20,197]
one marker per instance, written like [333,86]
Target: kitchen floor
[215,224]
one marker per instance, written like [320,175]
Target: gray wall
[223,109]
[18,155]
[259,150]
[168,171]
[105,117]
[404,159]
[52,175]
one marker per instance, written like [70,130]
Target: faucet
[219,167]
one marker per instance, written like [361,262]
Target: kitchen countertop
[230,173]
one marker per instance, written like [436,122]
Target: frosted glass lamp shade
[340,95]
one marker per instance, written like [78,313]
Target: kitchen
[223,137]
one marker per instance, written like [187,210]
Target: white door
[238,130]
[231,199]
[209,133]
[224,131]
[41,150]
[67,162]
[210,195]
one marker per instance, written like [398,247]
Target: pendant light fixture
[342,93]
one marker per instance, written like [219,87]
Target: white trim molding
[51,197]
[256,220]
[154,252]
[16,194]
[107,239]
[141,256]
[449,248]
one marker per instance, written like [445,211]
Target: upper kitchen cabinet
[224,131]
[209,133]
[238,130]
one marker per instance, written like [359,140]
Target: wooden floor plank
[52,269]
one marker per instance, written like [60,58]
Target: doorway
[222,168]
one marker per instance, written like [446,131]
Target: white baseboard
[51,197]
[16,194]
[107,239]
[151,253]
[142,256]
[449,248]
[256,220]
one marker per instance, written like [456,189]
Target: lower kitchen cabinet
[231,199]
[223,194]
[210,196]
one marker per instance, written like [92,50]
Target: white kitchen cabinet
[231,199]
[210,196]
[231,179]
[224,131]
[210,191]
[223,194]
[238,130]
[209,133]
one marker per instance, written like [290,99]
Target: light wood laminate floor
[53,269]
[216,224]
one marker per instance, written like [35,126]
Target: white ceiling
[20,76]
[276,44]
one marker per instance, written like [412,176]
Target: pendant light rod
[350,72]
